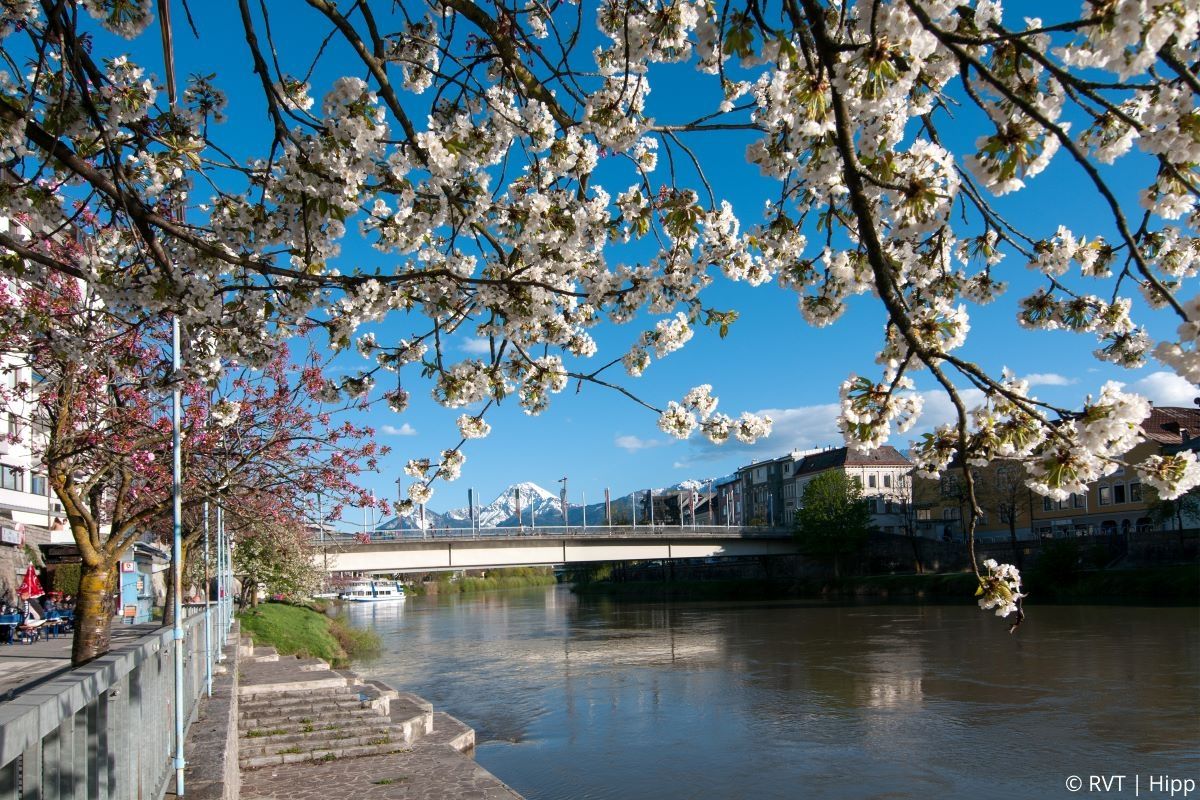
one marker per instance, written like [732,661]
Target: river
[592,698]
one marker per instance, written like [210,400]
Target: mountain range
[538,506]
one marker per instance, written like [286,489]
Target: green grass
[259,733]
[513,578]
[293,630]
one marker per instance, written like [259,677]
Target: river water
[593,698]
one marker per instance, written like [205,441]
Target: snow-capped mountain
[539,506]
[536,505]
[535,502]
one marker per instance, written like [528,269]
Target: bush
[66,578]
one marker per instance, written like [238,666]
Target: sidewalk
[23,666]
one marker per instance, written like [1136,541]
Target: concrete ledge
[449,731]
[211,748]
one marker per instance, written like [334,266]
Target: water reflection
[604,699]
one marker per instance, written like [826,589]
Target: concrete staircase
[293,710]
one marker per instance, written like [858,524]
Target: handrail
[339,540]
[102,730]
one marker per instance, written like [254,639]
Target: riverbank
[308,632]
[1173,585]
[515,578]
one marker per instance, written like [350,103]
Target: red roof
[1166,424]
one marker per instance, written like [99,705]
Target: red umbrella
[30,585]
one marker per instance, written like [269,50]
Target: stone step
[311,700]
[318,740]
[245,647]
[322,755]
[286,678]
[449,731]
[288,721]
[413,725]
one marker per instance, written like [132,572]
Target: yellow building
[1114,504]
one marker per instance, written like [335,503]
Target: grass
[260,733]
[302,631]
[514,578]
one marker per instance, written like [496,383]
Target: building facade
[1117,503]
[772,490]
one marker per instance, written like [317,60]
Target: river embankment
[1166,585]
[315,630]
[443,583]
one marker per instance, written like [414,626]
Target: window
[787,468]
[871,481]
[949,486]
[1047,504]
[14,425]
[1105,495]
[37,485]
[1135,493]
[1119,493]
[1079,500]
[887,481]
[12,478]
[1005,513]
[924,515]
[950,512]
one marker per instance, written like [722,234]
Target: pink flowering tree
[257,442]
[497,164]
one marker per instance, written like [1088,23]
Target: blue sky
[771,361]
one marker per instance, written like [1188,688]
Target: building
[771,490]
[1114,504]
[29,514]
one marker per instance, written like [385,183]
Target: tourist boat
[373,592]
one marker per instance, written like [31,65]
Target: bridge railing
[104,730]
[548,531]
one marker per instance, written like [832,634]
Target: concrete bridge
[419,551]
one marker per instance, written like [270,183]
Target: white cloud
[478,347]
[1049,379]
[403,430]
[794,429]
[1165,389]
[633,443]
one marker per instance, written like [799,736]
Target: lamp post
[562,496]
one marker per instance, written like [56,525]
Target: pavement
[432,767]
[432,772]
[24,666]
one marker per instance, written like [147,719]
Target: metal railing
[339,539]
[105,730]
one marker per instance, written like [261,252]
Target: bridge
[444,549]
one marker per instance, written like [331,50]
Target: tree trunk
[169,607]
[918,564]
[1018,556]
[93,612]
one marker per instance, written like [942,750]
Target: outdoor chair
[30,630]
[8,627]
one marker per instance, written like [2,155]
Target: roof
[1166,424]
[885,456]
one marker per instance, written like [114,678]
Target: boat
[373,592]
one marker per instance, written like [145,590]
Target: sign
[10,536]
[127,566]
